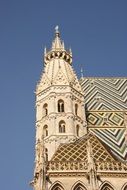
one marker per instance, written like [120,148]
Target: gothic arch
[79,185]
[76,109]
[57,186]
[107,186]
[46,154]
[45,130]
[77,130]
[45,109]
[124,187]
[62,127]
[60,105]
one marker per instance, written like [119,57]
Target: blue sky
[96,30]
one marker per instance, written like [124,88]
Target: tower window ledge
[69,114]
[52,113]
[61,113]
[45,117]
[62,134]
[46,137]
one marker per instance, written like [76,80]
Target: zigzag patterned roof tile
[109,92]
[106,107]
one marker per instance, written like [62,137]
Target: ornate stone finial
[57,29]
[57,33]
[63,44]
[57,43]
[45,51]
[70,51]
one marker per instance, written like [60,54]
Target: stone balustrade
[83,166]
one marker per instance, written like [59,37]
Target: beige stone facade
[74,147]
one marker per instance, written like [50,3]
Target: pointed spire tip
[45,51]
[57,29]
[57,33]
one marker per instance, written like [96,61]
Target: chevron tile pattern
[106,103]
[105,93]
[115,139]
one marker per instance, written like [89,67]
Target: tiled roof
[73,157]
[77,151]
[105,93]
[106,109]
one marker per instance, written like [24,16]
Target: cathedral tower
[60,115]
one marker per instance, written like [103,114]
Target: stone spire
[57,44]
[57,50]
[92,173]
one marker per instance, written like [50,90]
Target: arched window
[46,154]
[61,127]
[79,186]
[45,130]
[60,106]
[77,130]
[57,187]
[124,187]
[106,186]
[45,109]
[76,109]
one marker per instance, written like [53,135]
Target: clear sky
[96,30]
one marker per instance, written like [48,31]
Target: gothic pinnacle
[57,43]
[45,51]
[57,49]
[70,51]
[57,30]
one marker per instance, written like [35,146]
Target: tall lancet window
[60,106]
[45,109]
[45,130]
[76,109]
[77,130]
[46,154]
[62,127]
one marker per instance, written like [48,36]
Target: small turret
[58,50]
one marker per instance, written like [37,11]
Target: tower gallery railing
[83,166]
